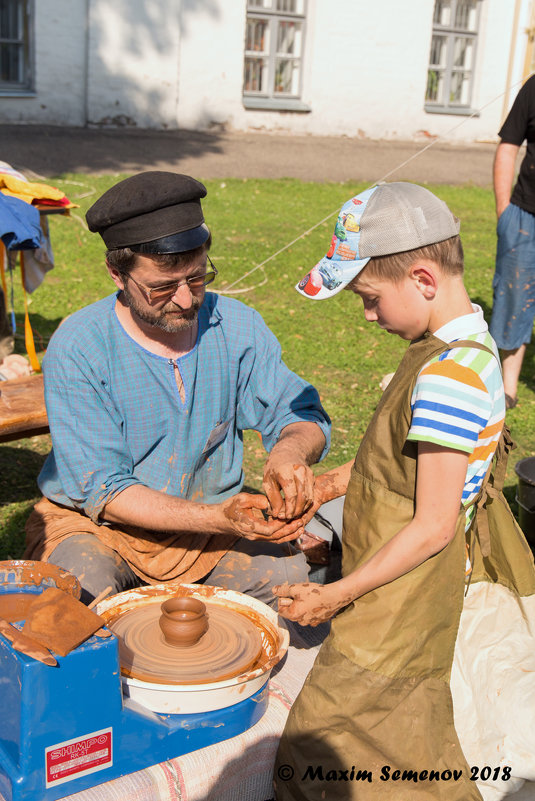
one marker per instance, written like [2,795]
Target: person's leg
[324,554]
[254,567]
[513,308]
[327,523]
[512,365]
[95,566]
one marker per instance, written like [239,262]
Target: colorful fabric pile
[14,184]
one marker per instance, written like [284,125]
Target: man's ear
[115,275]
[424,275]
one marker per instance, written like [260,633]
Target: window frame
[26,41]
[451,33]
[269,99]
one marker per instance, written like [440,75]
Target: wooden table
[22,408]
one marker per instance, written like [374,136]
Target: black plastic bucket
[525,470]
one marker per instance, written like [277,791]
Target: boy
[419,497]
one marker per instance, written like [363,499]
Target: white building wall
[60,49]
[358,80]
[211,64]
[366,73]
[133,63]
[179,63]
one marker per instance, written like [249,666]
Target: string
[229,290]
[12,295]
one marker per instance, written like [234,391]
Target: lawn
[329,344]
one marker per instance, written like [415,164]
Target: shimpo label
[78,757]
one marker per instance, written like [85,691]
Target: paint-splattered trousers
[513,307]
[252,567]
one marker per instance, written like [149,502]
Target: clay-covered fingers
[299,497]
[288,531]
[284,593]
[305,603]
[246,515]
[284,589]
[289,489]
[272,490]
[289,596]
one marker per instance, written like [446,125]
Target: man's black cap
[153,212]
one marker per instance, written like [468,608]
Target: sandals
[510,402]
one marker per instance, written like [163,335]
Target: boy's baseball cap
[388,218]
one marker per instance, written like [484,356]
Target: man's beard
[168,318]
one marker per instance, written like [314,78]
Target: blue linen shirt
[117,419]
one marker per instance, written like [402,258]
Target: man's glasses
[153,294]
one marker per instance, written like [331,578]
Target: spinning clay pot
[183,621]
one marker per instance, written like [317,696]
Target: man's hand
[288,479]
[310,604]
[245,513]
[327,486]
[288,487]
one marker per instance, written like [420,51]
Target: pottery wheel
[230,646]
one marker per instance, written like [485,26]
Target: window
[274,54]
[16,45]
[452,57]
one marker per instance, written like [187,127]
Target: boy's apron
[378,698]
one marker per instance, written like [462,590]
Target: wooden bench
[22,408]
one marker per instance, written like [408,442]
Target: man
[514,280]
[148,392]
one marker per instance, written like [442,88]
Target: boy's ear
[424,275]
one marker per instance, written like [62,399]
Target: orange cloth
[153,556]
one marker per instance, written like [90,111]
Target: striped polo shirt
[458,400]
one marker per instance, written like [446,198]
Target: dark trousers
[252,567]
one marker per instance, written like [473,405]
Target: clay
[231,645]
[183,621]
[14,605]
[60,622]
[21,572]
[26,645]
[142,596]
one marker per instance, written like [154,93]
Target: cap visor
[175,243]
[329,277]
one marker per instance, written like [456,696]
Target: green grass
[329,344]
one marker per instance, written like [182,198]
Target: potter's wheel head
[230,646]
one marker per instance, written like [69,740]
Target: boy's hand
[309,604]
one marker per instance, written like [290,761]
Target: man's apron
[378,698]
